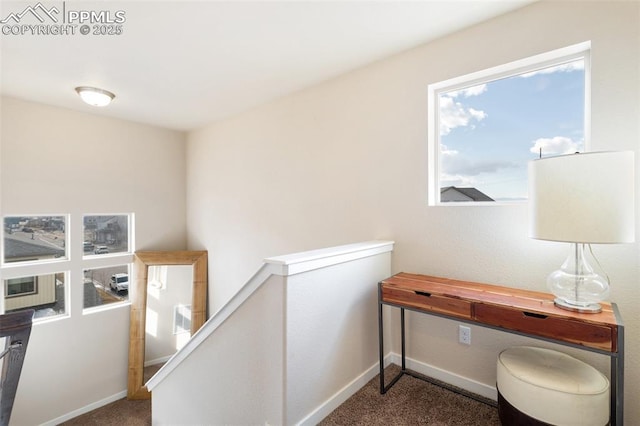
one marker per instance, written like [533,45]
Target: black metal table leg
[380,341]
[383,388]
[617,378]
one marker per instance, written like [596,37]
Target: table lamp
[583,199]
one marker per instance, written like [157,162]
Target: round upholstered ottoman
[539,386]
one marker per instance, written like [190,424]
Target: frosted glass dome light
[94,96]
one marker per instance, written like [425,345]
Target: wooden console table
[523,312]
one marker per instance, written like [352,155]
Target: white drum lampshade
[582,199]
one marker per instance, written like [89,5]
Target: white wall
[346,161]
[58,161]
[332,333]
[236,375]
[302,339]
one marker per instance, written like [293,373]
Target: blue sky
[489,132]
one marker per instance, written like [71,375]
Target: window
[44,293]
[103,286]
[157,277]
[34,238]
[485,127]
[181,319]
[105,234]
[40,256]
[17,287]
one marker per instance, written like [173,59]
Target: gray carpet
[122,412]
[409,402]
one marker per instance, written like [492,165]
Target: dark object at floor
[510,415]
[16,328]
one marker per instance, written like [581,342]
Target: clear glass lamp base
[591,308]
[579,285]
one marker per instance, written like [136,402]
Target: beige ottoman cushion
[553,387]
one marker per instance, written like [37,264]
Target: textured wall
[347,161]
[56,161]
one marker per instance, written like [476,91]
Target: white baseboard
[343,394]
[161,360]
[86,409]
[392,358]
[446,376]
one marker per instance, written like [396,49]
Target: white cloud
[557,145]
[460,167]
[444,150]
[457,180]
[469,91]
[454,114]
[568,67]
[478,115]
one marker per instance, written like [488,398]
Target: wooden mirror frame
[136,389]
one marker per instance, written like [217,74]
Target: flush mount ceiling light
[94,96]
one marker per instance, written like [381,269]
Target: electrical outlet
[464,334]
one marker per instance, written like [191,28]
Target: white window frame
[86,256]
[179,325]
[73,265]
[533,63]
[93,261]
[18,264]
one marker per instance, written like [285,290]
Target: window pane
[106,234]
[44,293]
[490,131]
[181,319]
[103,286]
[34,238]
[20,286]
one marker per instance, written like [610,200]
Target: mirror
[168,319]
[150,269]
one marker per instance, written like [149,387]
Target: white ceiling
[183,64]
